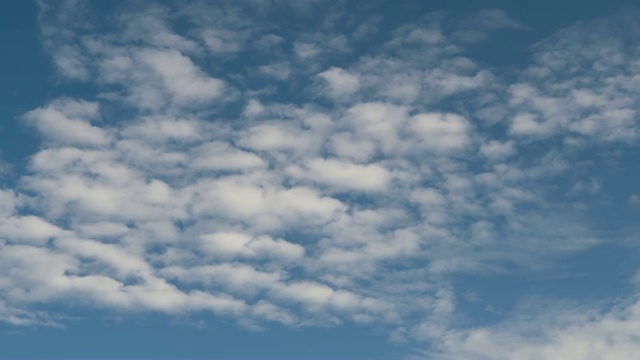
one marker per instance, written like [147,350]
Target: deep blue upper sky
[319,180]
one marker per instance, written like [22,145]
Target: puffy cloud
[195,182]
[279,137]
[239,278]
[378,121]
[442,83]
[67,122]
[305,50]
[231,245]
[28,229]
[441,132]
[478,27]
[344,175]
[316,296]
[8,202]
[103,229]
[558,94]
[278,71]
[160,129]
[222,156]
[268,311]
[270,208]
[179,77]
[151,28]
[339,82]
[588,335]
[497,150]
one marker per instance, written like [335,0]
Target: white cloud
[20,317]
[316,296]
[221,156]
[221,42]
[71,62]
[350,146]
[161,129]
[444,83]
[28,229]
[32,273]
[343,175]
[278,71]
[268,311]
[441,132]
[526,124]
[231,245]
[238,278]
[571,335]
[153,79]
[497,150]
[180,77]
[391,78]
[478,27]
[279,136]
[67,122]
[104,229]
[254,107]
[191,185]
[340,82]
[265,207]
[305,50]
[378,121]
[8,203]
[151,28]
[121,261]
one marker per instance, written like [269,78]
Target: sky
[319,179]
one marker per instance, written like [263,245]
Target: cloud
[344,175]
[28,229]
[270,208]
[152,28]
[9,201]
[305,50]
[379,122]
[584,107]
[222,156]
[231,245]
[176,75]
[572,335]
[220,162]
[497,150]
[20,317]
[441,132]
[67,55]
[479,26]
[240,278]
[340,83]
[159,129]
[67,121]
[278,71]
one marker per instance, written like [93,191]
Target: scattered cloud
[478,26]
[222,163]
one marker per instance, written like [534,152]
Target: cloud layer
[224,163]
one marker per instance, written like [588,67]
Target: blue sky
[319,180]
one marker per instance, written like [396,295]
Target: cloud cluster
[225,169]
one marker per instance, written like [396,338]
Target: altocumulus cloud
[346,173]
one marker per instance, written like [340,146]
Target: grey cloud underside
[361,202]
